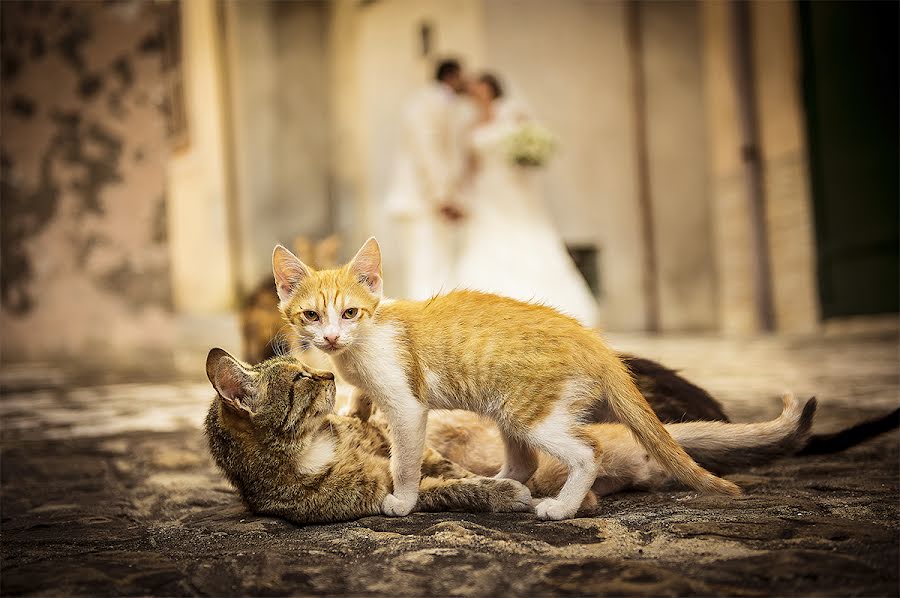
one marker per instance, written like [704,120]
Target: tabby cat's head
[278,398]
[329,309]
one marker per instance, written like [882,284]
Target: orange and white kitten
[532,370]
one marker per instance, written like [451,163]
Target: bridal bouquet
[530,144]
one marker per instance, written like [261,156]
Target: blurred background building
[724,167]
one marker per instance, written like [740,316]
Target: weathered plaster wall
[677,155]
[277,64]
[731,218]
[202,246]
[784,151]
[85,267]
[786,179]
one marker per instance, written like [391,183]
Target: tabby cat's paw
[514,498]
[551,508]
[397,507]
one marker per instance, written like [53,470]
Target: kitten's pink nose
[333,339]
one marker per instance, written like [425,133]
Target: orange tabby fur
[531,369]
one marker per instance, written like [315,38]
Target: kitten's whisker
[281,341]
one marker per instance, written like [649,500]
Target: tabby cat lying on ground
[271,432]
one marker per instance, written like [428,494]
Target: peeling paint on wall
[84,265]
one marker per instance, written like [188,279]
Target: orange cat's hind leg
[560,436]
[521,460]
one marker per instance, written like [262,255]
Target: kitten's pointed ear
[289,271]
[231,379]
[366,264]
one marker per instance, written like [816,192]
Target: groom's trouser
[430,255]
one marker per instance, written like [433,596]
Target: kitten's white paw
[551,508]
[397,507]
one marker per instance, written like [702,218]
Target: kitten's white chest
[350,369]
[373,363]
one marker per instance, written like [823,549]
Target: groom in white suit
[429,165]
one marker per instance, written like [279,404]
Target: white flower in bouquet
[530,144]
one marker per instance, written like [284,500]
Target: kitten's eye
[350,313]
[311,315]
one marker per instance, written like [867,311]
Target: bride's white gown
[509,245]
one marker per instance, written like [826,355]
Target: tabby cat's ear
[289,271]
[232,381]
[366,264]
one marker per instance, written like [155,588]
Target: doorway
[850,84]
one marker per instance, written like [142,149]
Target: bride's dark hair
[493,82]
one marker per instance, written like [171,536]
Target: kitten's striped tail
[632,409]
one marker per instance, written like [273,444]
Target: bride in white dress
[509,245]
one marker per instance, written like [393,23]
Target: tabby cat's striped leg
[476,495]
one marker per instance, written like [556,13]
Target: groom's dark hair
[446,69]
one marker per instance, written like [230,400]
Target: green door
[850,80]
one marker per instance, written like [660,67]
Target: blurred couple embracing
[465,194]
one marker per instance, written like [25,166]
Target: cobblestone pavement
[108,490]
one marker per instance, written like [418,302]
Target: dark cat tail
[823,444]
[673,397]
